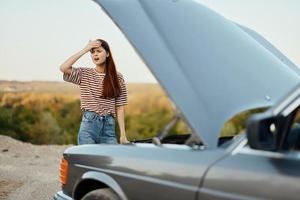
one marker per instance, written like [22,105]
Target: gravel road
[28,171]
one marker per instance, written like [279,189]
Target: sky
[36,36]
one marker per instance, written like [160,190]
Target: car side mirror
[261,132]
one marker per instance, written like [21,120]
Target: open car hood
[209,66]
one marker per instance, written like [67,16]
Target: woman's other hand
[123,140]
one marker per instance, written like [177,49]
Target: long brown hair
[111,85]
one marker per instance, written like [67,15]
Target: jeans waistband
[96,115]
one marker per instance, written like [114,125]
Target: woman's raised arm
[66,67]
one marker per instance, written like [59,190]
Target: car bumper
[61,196]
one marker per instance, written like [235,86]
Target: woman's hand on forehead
[95,42]
[92,44]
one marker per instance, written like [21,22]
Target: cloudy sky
[38,35]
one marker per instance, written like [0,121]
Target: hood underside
[209,66]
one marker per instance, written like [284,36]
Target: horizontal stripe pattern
[90,82]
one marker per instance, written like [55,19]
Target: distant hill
[38,86]
[66,88]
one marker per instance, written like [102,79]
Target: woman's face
[99,55]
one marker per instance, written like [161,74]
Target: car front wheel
[101,194]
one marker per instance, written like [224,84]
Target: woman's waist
[97,113]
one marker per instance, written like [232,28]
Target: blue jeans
[96,129]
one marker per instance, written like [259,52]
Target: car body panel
[267,45]
[254,174]
[152,170]
[209,66]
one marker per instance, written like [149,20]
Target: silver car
[212,69]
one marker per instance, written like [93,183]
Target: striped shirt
[90,82]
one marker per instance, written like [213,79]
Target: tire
[101,194]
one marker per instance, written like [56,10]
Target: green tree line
[55,119]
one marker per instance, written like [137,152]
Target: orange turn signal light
[63,171]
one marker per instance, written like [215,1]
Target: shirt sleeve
[122,99]
[75,76]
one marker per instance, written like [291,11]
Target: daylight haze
[38,35]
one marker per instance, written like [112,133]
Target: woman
[103,94]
